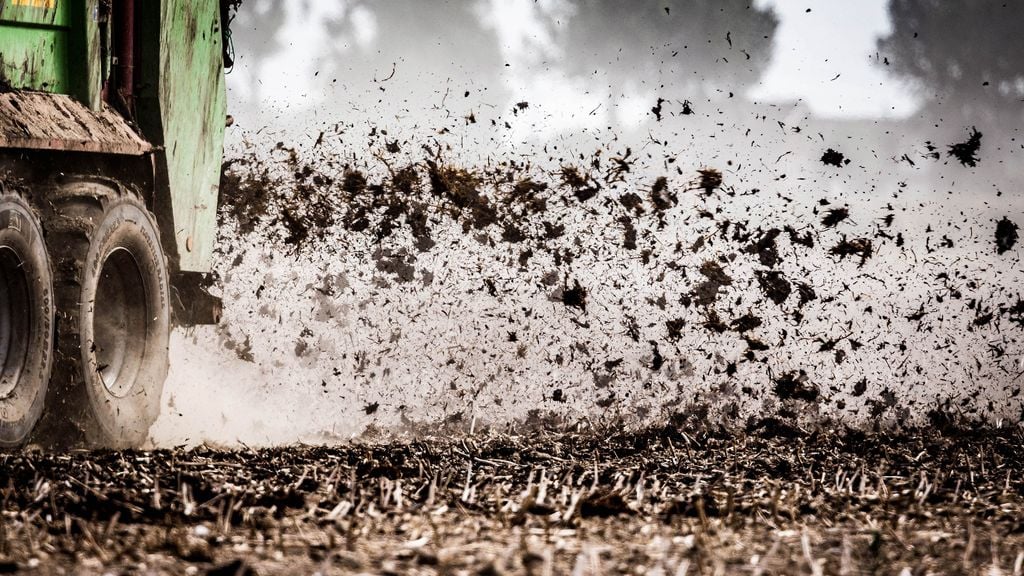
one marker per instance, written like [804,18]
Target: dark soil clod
[967,152]
[1006,235]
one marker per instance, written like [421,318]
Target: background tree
[966,57]
[713,45]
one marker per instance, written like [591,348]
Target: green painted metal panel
[51,46]
[34,38]
[84,50]
[183,111]
[34,58]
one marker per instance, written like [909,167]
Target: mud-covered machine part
[112,297]
[112,117]
[26,318]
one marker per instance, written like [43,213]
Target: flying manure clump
[967,152]
[1006,235]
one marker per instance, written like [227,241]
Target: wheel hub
[120,322]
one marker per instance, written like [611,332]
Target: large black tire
[26,319]
[113,317]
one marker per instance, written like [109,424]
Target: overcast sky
[824,56]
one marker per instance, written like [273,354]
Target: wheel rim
[120,322]
[15,319]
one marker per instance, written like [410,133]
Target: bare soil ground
[663,501]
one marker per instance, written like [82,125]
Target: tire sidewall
[20,231]
[124,420]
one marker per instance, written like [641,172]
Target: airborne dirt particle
[856,247]
[1016,313]
[774,285]
[706,293]
[835,216]
[246,190]
[1006,235]
[583,187]
[661,197]
[632,202]
[745,323]
[714,272]
[243,350]
[675,328]
[397,262]
[710,180]
[657,360]
[553,231]
[765,248]
[799,239]
[833,158]
[795,386]
[575,297]
[462,188]
[805,292]
[512,234]
[967,152]
[656,110]
[628,233]
[714,323]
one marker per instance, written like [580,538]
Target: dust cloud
[589,218]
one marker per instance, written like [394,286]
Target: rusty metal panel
[40,121]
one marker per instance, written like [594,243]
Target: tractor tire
[113,317]
[26,320]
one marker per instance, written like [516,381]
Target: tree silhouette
[714,45]
[256,25]
[425,42]
[965,56]
[448,59]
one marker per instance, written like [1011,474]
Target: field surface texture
[772,500]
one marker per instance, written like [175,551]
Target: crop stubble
[773,500]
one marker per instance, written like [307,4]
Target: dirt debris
[834,158]
[854,247]
[774,285]
[1006,235]
[587,231]
[967,152]
[794,386]
[835,216]
[575,297]
[706,293]
[710,180]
